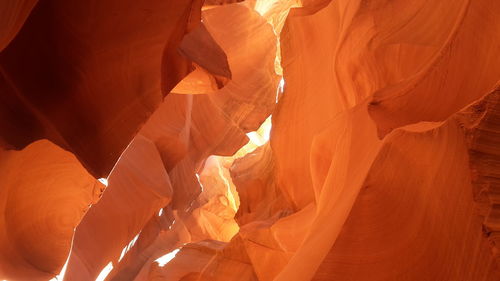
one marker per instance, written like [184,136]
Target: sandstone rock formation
[252,140]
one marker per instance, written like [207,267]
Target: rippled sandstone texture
[251,140]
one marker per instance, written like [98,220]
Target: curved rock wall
[253,140]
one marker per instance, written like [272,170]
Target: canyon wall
[257,140]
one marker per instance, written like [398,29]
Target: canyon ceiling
[257,140]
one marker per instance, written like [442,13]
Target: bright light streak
[280,89]
[105,271]
[281,85]
[265,129]
[160,212]
[62,273]
[129,246]
[104,181]
[170,227]
[201,185]
[262,135]
[255,138]
[60,276]
[163,260]
[229,194]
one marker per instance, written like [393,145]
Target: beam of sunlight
[104,272]
[229,193]
[163,260]
[129,246]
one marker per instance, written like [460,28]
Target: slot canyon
[255,140]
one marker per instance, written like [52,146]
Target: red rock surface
[45,193]
[257,140]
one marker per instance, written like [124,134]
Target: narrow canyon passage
[249,140]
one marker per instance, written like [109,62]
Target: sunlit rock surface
[257,140]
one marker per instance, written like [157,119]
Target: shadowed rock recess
[250,140]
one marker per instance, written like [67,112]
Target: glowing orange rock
[112,226]
[250,44]
[434,68]
[408,227]
[44,194]
[382,162]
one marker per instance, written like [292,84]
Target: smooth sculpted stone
[417,217]
[138,188]
[44,194]
[87,74]
[13,13]
[256,140]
